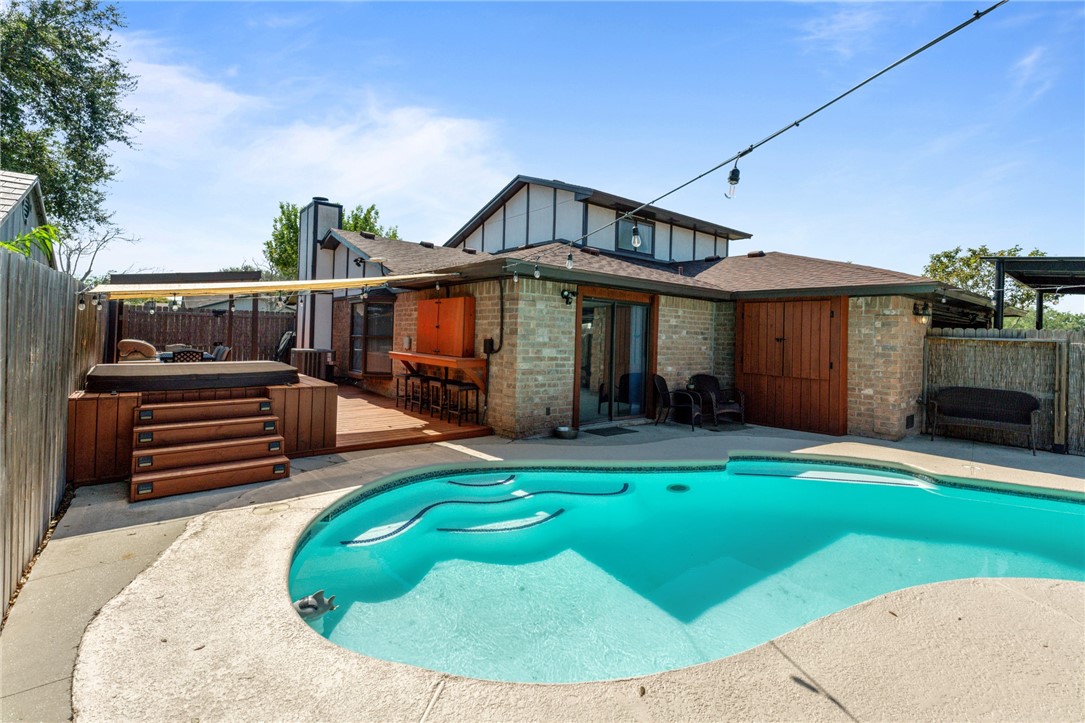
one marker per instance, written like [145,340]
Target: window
[371,328]
[645,229]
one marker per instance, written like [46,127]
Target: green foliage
[967,270]
[368,219]
[1053,319]
[267,274]
[281,250]
[62,89]
[43,238]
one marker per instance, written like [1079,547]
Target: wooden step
[148,485]
[203,453]
[173,412]
[164,435]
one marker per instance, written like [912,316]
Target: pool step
[173,412]
[202,453]
[145,436]
[149,485]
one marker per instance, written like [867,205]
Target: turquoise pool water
[559,575]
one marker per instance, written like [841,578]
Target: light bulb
[151,312]
[732,182]
[537,274]
[515,277]
[82,304]
[438,285]
[569,261]
[365,294]
[636,237]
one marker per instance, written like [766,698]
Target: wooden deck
[370,421]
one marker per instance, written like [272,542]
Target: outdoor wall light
[923,312]
[568,295]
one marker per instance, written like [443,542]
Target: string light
[438,286]
[82,305]
[365,294]
[569,261]
[732,182]
[515,276]
[636,237]
[279,302]
[537,274]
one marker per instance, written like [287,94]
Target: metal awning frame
[253,288]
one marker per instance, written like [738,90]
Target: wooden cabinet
[446,326]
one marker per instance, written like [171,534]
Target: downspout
[489,348]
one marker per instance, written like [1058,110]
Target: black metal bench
[988,408]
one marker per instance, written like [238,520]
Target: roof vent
[680,269]
[368,234]
[589,250]
[469,251]
[320,198]
[713,257]
[755,254]
[426,244]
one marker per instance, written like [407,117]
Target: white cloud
[846,31]
[1032,75]
[213,163]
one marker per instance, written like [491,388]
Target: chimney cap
[320,198]
[755,254]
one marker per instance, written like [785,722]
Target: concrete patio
[176,608]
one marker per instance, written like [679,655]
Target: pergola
[1042,274]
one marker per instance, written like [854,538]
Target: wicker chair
[667,400]
[717,401]
[221,353]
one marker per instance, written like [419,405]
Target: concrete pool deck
[202,626]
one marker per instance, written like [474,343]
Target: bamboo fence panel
[46,348]
[1014,359]
[200,329]
[1075,418]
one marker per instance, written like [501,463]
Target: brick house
[572,324]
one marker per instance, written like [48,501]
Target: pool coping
[227,644]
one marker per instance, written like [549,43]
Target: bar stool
[457,400]
[417,392]
[437,394]
[402,385]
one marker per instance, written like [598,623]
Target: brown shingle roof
[780,272]
[406,257]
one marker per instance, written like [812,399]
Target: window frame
[640,223]
[360,341]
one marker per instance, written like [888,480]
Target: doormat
[610,431]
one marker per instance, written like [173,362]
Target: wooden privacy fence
[46,348]
[201,328]
[1050,365]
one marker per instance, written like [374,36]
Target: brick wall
[724,366]
[686,339]
[885,366]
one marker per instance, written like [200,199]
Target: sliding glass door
[613,360]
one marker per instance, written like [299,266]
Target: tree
[61,94]
[967,270]
[368,219]
[76,252]
[1053,319]
[281,250]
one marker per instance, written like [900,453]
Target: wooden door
[447,326]
[426,343]
[792,363]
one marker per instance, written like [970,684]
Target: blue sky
[428,110]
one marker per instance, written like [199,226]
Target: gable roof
[400,257]
[598,198]
[14,187]
[779,274]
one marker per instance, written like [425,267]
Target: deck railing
[46,348]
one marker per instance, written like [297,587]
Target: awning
[253,288]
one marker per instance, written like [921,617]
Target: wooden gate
[792,363]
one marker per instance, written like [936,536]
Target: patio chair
[129,350]
[188,355]
[681,399]
[221,353]
[717,401]
[624,395]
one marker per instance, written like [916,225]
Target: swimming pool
[551,573]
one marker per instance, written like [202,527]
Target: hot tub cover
[155,377]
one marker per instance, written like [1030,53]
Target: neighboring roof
[599,198]
[780,274]
[13,189]
[1050,274]
[400,257]
[142,291]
